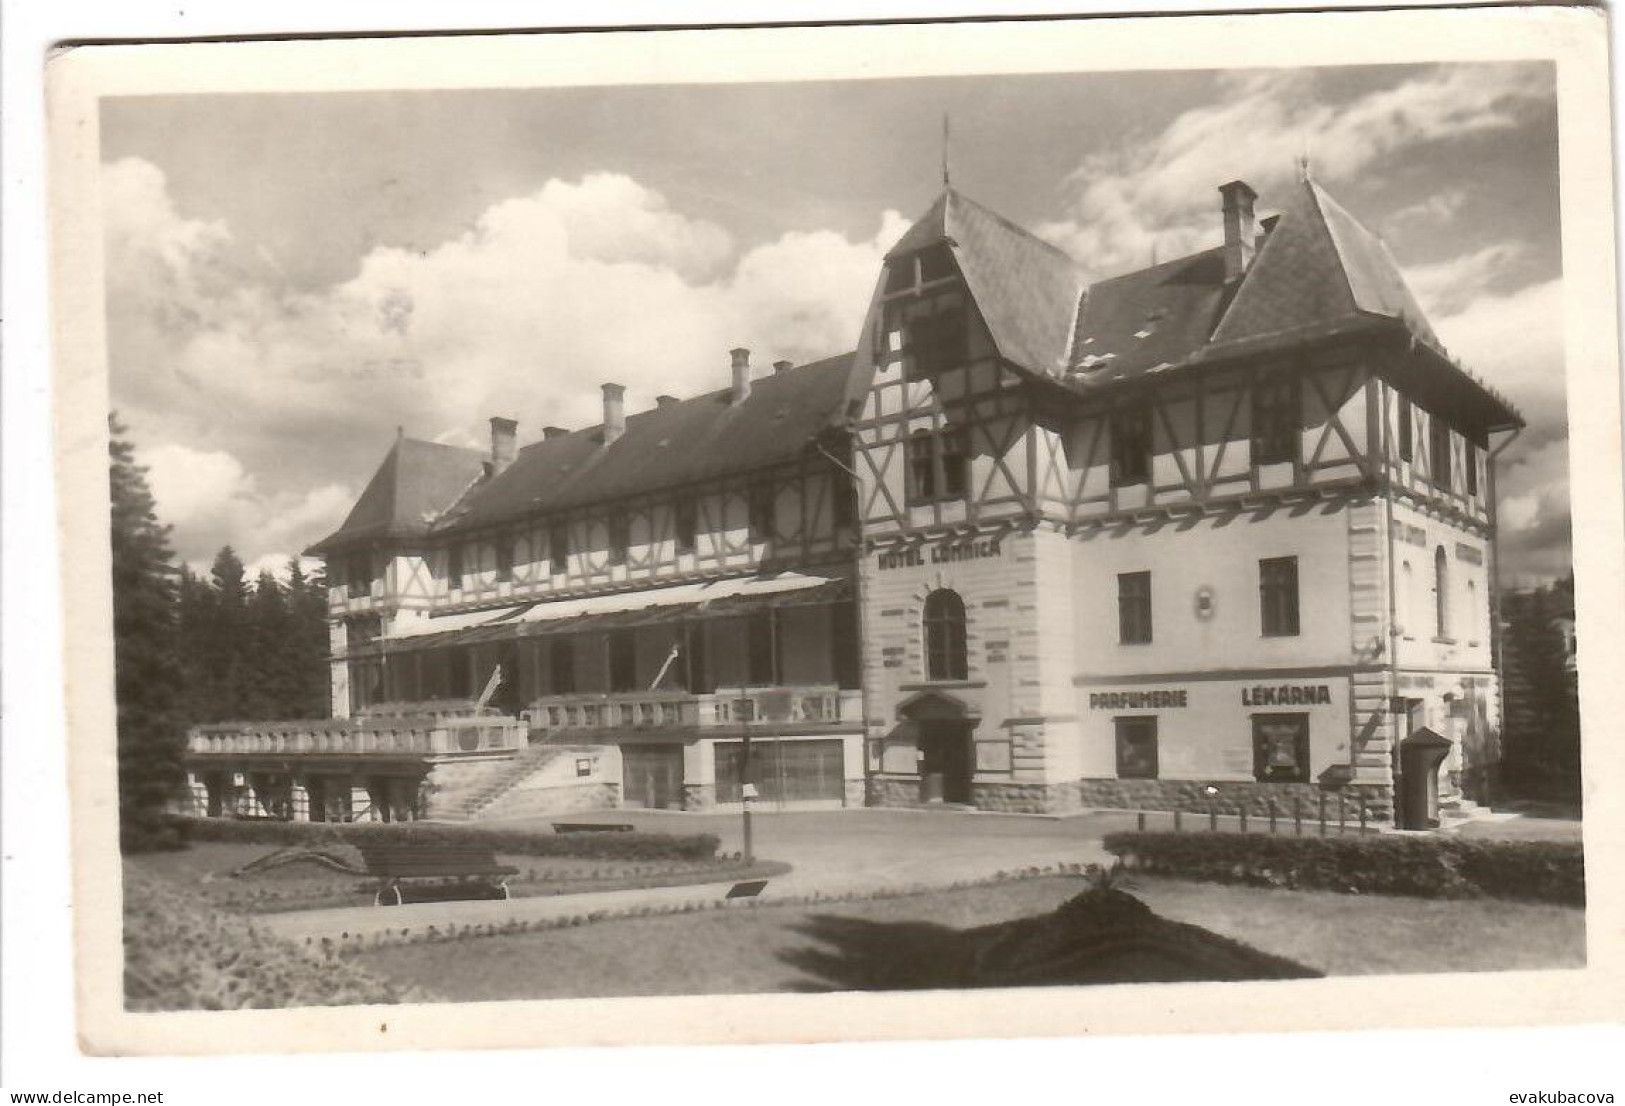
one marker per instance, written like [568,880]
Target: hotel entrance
[945,761]
[652,776]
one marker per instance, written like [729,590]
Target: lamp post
[747,784]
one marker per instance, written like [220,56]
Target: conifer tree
[151,731]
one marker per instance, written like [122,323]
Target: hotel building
[1217,531]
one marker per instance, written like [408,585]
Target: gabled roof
[1161,315]
[1025,288]
[697,439]
[415,482]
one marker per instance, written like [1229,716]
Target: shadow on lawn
[1101,936]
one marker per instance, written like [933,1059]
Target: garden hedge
[1431,867]
[513,842]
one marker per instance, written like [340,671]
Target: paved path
[831,853]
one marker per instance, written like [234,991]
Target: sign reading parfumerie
[1136,700]
[959,549]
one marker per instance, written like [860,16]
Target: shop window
[1407,448]
[454,568]
[845,645]
[623,661]
[1131,444]
[1281,748]
[1136,748]
[1439,452]
[561,666]
[1441,593]
[1469,468]
[1278,596]
[504,560]
[685,524]
[558,548]
[620,538]
[1276,418]
[945,652]
[1134,608]
[760,507]
[936,343]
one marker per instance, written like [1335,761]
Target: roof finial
[944,150]
[400,432]
[1303,165]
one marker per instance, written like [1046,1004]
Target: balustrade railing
[639,709]
[369,737]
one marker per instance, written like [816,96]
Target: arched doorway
[943,726]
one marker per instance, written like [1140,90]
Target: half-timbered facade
[1217,532]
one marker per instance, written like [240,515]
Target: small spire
[1303,167]
[944,150]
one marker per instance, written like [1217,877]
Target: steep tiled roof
[697,439]
[414,483]
[1026,289]
[1155,316]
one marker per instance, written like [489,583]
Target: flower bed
[182,954]
[518,842]
[1431,867]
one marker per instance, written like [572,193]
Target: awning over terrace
[649,607]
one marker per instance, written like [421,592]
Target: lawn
[756,950]
[206,869]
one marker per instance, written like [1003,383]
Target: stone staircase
[468,800]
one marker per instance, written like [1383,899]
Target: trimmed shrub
[1430,867]
[512,842]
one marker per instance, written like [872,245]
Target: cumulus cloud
[1449,287]
[1157,192]
[1440,207]
[261,404]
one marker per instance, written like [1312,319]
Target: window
[936,342]
[761,634]
[454,568]
[1281,748]
[1134,608]
[1441,592]
[843,506]
[1439,451]
[905,274]
[1136,748]
[1406,597]
[504,558]
[1276,433]
[558,548]
[922,466]
[1278,596]
[945,657]
[954,463]
[1131,445]
[619,538]
[759,506]
[623,661]
[561,666]
[685,525]
[1469,467]
[1472,611]
[1406,448]
[359,573]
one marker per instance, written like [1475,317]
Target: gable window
[945,653]
[1469,468]
[1134,608]
[623,661]
[1276,433]
[685,525]
[558,548]
[619,538]
[1136,747]
[1439,452]
[1406,449]
[561,666]
[1131,444]
[1278,596]
[454,568]
[938,465]
[922,466]
[759,507]
[1441,593]
[936,342]
[1281,748]
[906,274]
[504,559]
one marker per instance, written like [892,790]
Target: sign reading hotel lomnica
[961,549]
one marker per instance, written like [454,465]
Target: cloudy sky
[291,277]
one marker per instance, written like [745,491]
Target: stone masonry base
[1230,797]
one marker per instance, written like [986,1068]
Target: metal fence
[1325,816]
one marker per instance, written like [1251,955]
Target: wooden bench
[474,870]
[592,827]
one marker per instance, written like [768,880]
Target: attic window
[909,273]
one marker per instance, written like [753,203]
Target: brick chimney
[504,442]
[551,432]
[614,412]
[782,367]
[741,370]
[1238,227]
[665,401]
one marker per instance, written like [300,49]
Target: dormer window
[913,271]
